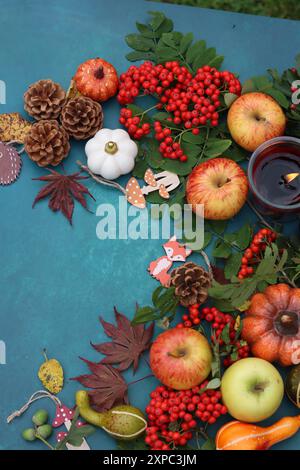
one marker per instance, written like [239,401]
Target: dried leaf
[72,91]
[219,275]
[128,342]
[13,127]
[62,190]
[10,164]
[109,387]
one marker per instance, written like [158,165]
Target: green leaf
[145,30]
[217,61]
[209,444]
[221,250]
[279,97]
[160,116]
[144,315]
[156,294]
[178,167]
[216,147]
[190,138]
[204,58]
[225,334]
[217,226]
[185,42]
[138,55]
[136,444]
[248,86]
[243,237]
[236,153]
[261,83]
[139,43]
[140,168]
[197,49]
[233,265]
[165,27]
[213,384]
[229,98]
[169,40]
[207,239]
[135,109]
[157,19]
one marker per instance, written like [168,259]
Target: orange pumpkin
[97,79]
[272,324]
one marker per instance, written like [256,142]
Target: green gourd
[123,422]
[292,385]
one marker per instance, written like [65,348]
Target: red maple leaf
[109,387]
[62,190]
[128,342]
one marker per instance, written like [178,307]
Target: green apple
[252,389]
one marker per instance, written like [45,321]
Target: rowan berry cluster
[219,321]
[191,101]
[253,254]
[134,124]
[169,408]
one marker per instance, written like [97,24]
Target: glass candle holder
[268,169]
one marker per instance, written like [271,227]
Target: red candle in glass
[267,171]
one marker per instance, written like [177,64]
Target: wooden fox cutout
[174,252]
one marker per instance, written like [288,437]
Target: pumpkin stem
[99,73]
[287,323]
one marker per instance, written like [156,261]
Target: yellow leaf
[244,306]
[13,127]
[51,375]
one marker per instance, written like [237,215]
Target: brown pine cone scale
[47,143]
[82,117]
[44,100]
[191,283]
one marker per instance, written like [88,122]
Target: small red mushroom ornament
[97,79]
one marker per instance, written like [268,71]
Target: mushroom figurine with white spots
[134,194]
[149,178]
[111,153]
[64,415]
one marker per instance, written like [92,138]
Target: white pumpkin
[111,153]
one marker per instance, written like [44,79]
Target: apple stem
[177,354]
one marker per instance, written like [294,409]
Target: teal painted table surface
[55,280]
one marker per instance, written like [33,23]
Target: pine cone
[191,284]
[47,143]
[82,117]
[44,100]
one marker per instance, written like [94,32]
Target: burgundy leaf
[109,387]
[62,190]
[128,342]
[219,275]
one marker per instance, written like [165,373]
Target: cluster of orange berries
[168,407]
[192,101]
[252,254]
[219,321]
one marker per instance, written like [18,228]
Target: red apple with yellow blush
[220,185]
[181,358]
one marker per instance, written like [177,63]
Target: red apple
[181,358]
[255,118]
[220,185]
